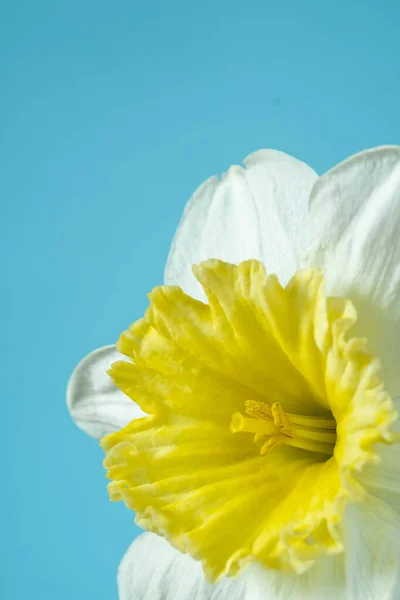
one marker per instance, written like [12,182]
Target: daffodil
[249,418]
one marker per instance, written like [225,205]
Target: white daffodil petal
[383,479]
[371,537]
[355,214]
[368,569]
[260,211]
[153,570]
[95,403]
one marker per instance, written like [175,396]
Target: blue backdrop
[111,114]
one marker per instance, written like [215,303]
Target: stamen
[319,422]
[314,434]
[312,446]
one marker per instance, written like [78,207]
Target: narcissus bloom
[250,417]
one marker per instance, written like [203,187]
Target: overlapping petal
[370,569]
[153,570]
[383,478]
[260,211]
[355,215]
[94,401]
[372,557]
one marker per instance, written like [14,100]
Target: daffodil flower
[252,422]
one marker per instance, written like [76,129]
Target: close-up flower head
[249,418]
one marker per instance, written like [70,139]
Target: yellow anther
[281,419]
[258,409]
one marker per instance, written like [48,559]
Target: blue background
[111,114]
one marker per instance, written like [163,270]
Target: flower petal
[153,570]
[383,479]
[355,213]
[371,533]
[369,568]
[260,211]
[95,403]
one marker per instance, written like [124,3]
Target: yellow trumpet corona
[263,409]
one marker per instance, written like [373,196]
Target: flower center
[190,468]
[316,434]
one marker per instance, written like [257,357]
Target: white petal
[153,570]
[355,213]
[260,211]
[369,568]
[383,479]
[371,536]
[95,403]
